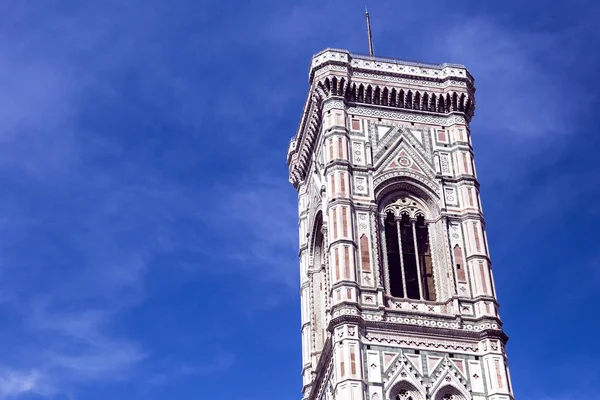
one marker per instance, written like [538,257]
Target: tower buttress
[397,293]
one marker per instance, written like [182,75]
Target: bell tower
[397,294]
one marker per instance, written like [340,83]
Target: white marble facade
[397,293]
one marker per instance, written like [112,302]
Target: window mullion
[401,255]
[386,268]
[420,276]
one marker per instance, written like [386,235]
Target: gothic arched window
[318,284]
[408,253]
[449,393]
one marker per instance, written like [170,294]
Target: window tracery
[404,395]
[404,390]
[449,393]
[408,254]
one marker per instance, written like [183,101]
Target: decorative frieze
[396,287]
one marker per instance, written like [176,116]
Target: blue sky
[148,231]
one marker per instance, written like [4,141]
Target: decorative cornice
[389,66]
[448,104]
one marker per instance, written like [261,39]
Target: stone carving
[358,153]
[421,342]
[393,154]
[450,194]
[409,117]
[445,164]
[360,185]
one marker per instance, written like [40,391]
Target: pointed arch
[417,101]
[454,101]
[405,390]
[393,98]
[409,99]
[449,392]
[318,277]
[320,92]
[408,210]
[461,103]
[401,98]
[450,383]
[385,97]
[377,96]
[440,106]
[361,94]
[369,95]
[327,86]
[334,86]
[351,93]
[425,103]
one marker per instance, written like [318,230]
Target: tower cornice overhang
[445,105]
[354,62]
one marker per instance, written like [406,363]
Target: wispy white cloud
[519,90]
[125,210]
[63,348]
[15,382]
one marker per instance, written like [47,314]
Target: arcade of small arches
[418,100]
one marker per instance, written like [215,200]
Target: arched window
[449,393]
[408,253]
[318,284]
[404,390]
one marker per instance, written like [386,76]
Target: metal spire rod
[369,32]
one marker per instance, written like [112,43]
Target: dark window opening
[410,266]
[393,256]
[425,260]
[409,258]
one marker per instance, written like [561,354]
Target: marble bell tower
[397,294]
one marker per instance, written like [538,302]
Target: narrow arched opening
[417,101]
[424,255]
[432,106]
[448,392]
[393,256]
[377,96]
[394,98]
[404,390]
[385,97]
[351,93]
[360,97]
[318,284]
[409,257]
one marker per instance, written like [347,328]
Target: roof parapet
[388,65]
